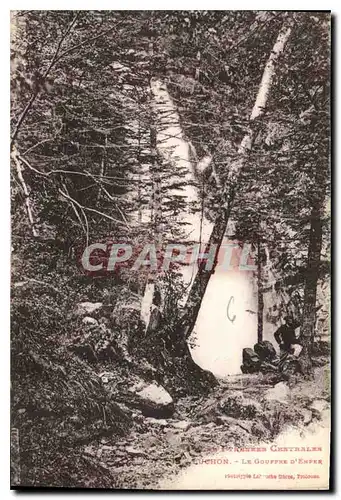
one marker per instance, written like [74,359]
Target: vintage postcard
[170,206]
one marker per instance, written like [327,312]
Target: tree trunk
[149,292]
[312,275]
[139,185]
[202,278]
[150,289]
[260,309]
[102,171]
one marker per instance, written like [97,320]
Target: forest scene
[170,241]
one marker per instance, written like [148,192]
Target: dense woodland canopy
[86,165]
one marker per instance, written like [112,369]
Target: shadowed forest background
[157,126]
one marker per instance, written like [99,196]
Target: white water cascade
[216,342]
[227,321]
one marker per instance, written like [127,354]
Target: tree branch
[26,192]
[67,196]
[44,76]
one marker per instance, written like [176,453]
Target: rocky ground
[242,410]
[116,408]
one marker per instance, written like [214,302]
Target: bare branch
[87,174]
[90,209]
[26,192]
[73,203]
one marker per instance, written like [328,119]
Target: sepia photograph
[170,185]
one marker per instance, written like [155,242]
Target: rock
[280,392]
[182,424]
[208,411]
[153,400]
[210,425]
[152,442]
[265,350]
[289,366]
[307,416]
[325,415]
[156,421]
[87,308]
[108,447]
[90,321]
[135,451]
[120,453]
[251,361]
[237,406]
[173,439]
[106,377]
[319,405]
[320,361]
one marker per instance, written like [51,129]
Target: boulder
[135,451]
[289,365]
[90,321]
[319,405]
[152,399]
[280,392]
[87,308]
[307,416]
[156,421]
[265,350]
[183,425]
[251,361]
[173,440]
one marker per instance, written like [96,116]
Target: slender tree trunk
[150,288]
[139,186]
[156,183]
[312,275]
[260,309]
[202,278]
[102,172]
